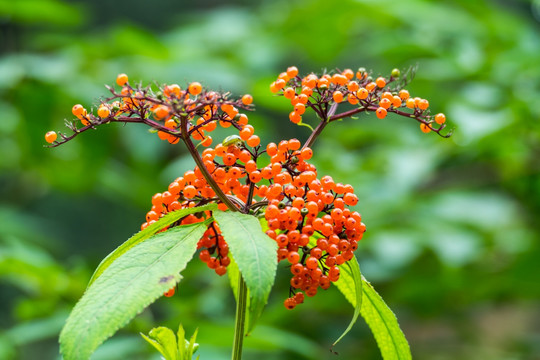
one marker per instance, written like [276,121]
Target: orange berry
[410,103]
[77,110]
[50,137]
[348,73]
[163,135]
[171,124]
[283,76]
[323,83]
[423,104]
[280,84]
[300,109]
[292,71]
[371,86]
[404,95]
[271,149]
[425,128]
[294,144]
[195,88]
[121,79]
[352,99]
[172,89]
[295,117]
[173,139]
[312,262]
[289,93]
[381,113]
[221,270]
[337,96]
[381,82]
[190,191]
[255,176]
[353,86]
[207,141]
[396,101]
[161,112]
[385,103]
[103,111]
[242,119]
[362,93]
[247,99]
[440,118]
[253,141]
[350,199]
[290,303]
[169,292]
[306,153]
[303,98]
[246,132]
[339,79]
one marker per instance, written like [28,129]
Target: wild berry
[50,137]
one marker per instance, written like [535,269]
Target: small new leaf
[164,340]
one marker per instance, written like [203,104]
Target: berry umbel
[310,217]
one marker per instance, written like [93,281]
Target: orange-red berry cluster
[311,223]
[355,88]
[307,217]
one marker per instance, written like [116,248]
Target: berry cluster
[381,96]
[307,216]
[168,109]
[309,220]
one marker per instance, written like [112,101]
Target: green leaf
[351,281]
[192,346]
[145,234]
[255,254]
[181,334]
[136,279]
[233,273]
[164,340]
[380,318]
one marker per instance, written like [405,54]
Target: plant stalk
[318,130]
[197,157]
[240,322]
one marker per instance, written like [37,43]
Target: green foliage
[255,255]
[133,281]
[170,346]
[430,205]
[350,282]
[384,325]
[378,316]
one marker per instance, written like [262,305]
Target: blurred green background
[453,230]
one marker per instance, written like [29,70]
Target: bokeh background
[453,225]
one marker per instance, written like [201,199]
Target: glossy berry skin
[121,79]
[50,137]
